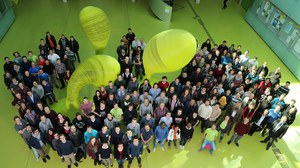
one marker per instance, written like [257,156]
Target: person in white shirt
[53,57]
[143,44]
[204,111]
[173,135]
[135,43]
[244,58]
[253,62]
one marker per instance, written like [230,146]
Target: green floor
[35,17]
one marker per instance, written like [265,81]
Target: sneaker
[76,164]
[148,150]
[228,142]
[56,86]
[154,149]
[69,166]
[182,147]
[111,165]
[162,148]
[237,144]
[44,160]
[48,157]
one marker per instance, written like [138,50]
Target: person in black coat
[259,122]
[277,130]
[74,46]
[50,40]
[120,155]
[38,142]
[63,42]
[206,44]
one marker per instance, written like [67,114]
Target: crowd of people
[220,89]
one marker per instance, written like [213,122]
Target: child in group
[173,135]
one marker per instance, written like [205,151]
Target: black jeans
[62,79]
[137,157]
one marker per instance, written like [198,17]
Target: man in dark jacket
[277,130]
[74,46]
[38,142]
[135,149]
[259,122]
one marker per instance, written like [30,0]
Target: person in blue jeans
[120,155]
[161,134]
[210,136]
[135,149]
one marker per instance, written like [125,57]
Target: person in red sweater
[242,128]
[163,84]
[249,111]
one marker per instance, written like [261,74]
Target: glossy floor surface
[35,17]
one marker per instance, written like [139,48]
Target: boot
[140,165]
[128,166]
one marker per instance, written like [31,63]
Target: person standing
[277,130]
[66,150]
[93,148]
[50,40]
[60,70]
[210,136]
[146,136]
[161,134]
[186,135]
[77,139]
[74,46]
[204,111]
[38,142]
[242,128]
[174,135]
[105,154]
[135,149]
[120,155]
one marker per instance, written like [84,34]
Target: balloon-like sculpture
[169,51]
[96,70]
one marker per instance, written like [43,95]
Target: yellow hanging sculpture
[168,51]
[99,69]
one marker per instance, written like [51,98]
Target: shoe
[62,160]
[162,148]
[69,166]
[237,144]
[262,141]
[95,162]
[111,165]
[48,157]
[76,164]
[51,103]
[228,142]
[267,148]
[148,150]
[55,101]
[62,87]
[44,160]
[154,149]
[56,86]
[182,147]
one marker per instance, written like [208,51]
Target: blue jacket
[135,151]
[273,116]
[88,136]
[161,134]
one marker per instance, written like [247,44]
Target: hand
[130,156]
[74,154]
[189,140]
